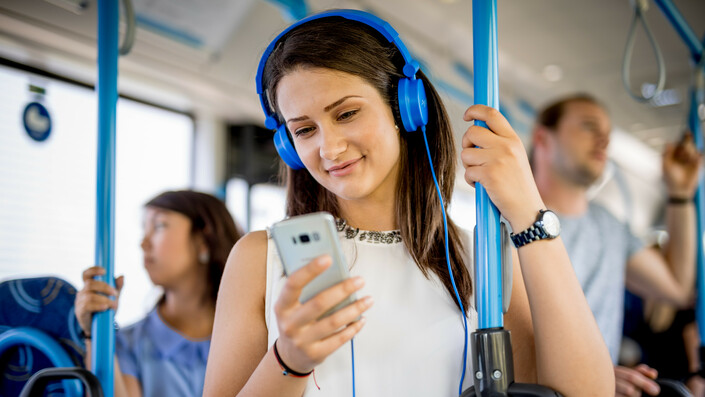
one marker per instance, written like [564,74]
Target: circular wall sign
[37,121]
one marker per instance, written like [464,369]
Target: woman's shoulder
[248,257]
[252,246]
[253,241]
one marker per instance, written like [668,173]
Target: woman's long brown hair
[354,48]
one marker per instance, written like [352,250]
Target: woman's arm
[124,385]
[95,297]
[518,321]
[571,356]
[239,361]
[239,340]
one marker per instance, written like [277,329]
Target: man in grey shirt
[569,153]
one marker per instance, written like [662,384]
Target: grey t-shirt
[599,247]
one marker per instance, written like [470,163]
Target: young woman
[331,83]
[187,237]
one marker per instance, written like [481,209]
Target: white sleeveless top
[412,343]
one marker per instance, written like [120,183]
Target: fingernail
[654,389]
[368,301]
[324,260]
[358,282]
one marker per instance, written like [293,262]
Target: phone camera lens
[304,238]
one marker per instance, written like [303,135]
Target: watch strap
[533,233]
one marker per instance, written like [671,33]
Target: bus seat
[38,329]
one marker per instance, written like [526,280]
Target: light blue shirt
[165,362]
[599,247]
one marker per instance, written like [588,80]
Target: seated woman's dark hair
[210,217]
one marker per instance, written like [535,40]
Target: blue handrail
[103,346]
[488,241]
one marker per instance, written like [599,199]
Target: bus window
[47,188]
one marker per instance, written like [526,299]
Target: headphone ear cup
[413,107]
[286,149]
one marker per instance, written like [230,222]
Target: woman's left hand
[496,158]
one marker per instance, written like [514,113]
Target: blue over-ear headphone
[412,96]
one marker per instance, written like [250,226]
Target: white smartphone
[302,238]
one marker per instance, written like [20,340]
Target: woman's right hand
[95,297]
[304,340]
[495,157]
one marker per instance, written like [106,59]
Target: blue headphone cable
[352,354]
[450,270]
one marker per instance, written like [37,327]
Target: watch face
[551,224]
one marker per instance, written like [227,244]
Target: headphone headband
[410,68]
[410,93]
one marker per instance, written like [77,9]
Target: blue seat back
[45,304]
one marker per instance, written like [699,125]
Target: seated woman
[331,84]
[187,238]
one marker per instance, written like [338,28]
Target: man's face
[581,138]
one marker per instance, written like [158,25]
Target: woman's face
[170,250]
[343,131]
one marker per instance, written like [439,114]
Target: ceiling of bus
[547,48]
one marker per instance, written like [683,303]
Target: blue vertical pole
[103,346]
[696,97]
[696,129]
[488,259]
[681,26]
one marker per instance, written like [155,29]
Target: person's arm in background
[124,385]
[691,341]
[95,297]
[669,275]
